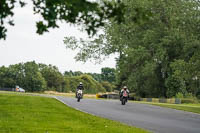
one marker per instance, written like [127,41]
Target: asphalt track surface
[153,118]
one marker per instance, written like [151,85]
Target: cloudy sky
[23,44]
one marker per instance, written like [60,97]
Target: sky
[23,44]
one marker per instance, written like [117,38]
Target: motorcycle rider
[79,87]
[122,91]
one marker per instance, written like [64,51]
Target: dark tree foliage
[108,74]
[6,12]
[96,76]
[91,15]
[71,73]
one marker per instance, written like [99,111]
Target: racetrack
[153,118]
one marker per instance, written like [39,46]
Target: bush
[179,95]
[187,98]
[189,95]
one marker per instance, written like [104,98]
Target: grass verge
[34,114]
[195,108]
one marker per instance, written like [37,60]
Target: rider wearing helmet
[79,87]
[122,91]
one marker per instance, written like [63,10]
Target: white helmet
[125,87]
[80,83]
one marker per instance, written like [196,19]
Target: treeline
[35,77]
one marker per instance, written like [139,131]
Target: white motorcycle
[79,95]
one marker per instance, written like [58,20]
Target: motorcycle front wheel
[78,99]
[123,101]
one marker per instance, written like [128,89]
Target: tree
[68,73]
[52,76]
[90,85]
[151,51]
[33,78]
[96,76]
[12,75]
[108,74]
[71,73]
[91,14]
[6,78]
[25,75]
[108,86]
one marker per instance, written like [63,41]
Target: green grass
[195,108]
[34,114]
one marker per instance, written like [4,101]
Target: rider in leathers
[79,87]
[122,91]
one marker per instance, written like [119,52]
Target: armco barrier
[149,99]
[155,100]
[7,89]
[162,100]
[177,101]
[108,96]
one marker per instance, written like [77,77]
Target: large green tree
[25,75]
[34,80]
[158,56]
[52,76]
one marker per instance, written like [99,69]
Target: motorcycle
[79,95]
[124,97]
